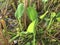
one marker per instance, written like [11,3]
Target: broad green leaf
[20,10]
[32,13]
[32,26]
[42,16]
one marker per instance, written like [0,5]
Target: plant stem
[14,38]
[49,24]
[20,26]
[34,39]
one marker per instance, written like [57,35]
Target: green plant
[44,21]
[33,17]
[19,12]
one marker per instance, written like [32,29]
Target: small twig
[57,33]
[14,6]
[52,37]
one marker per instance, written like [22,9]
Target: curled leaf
[53,14]
[42,16]
[32,26]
